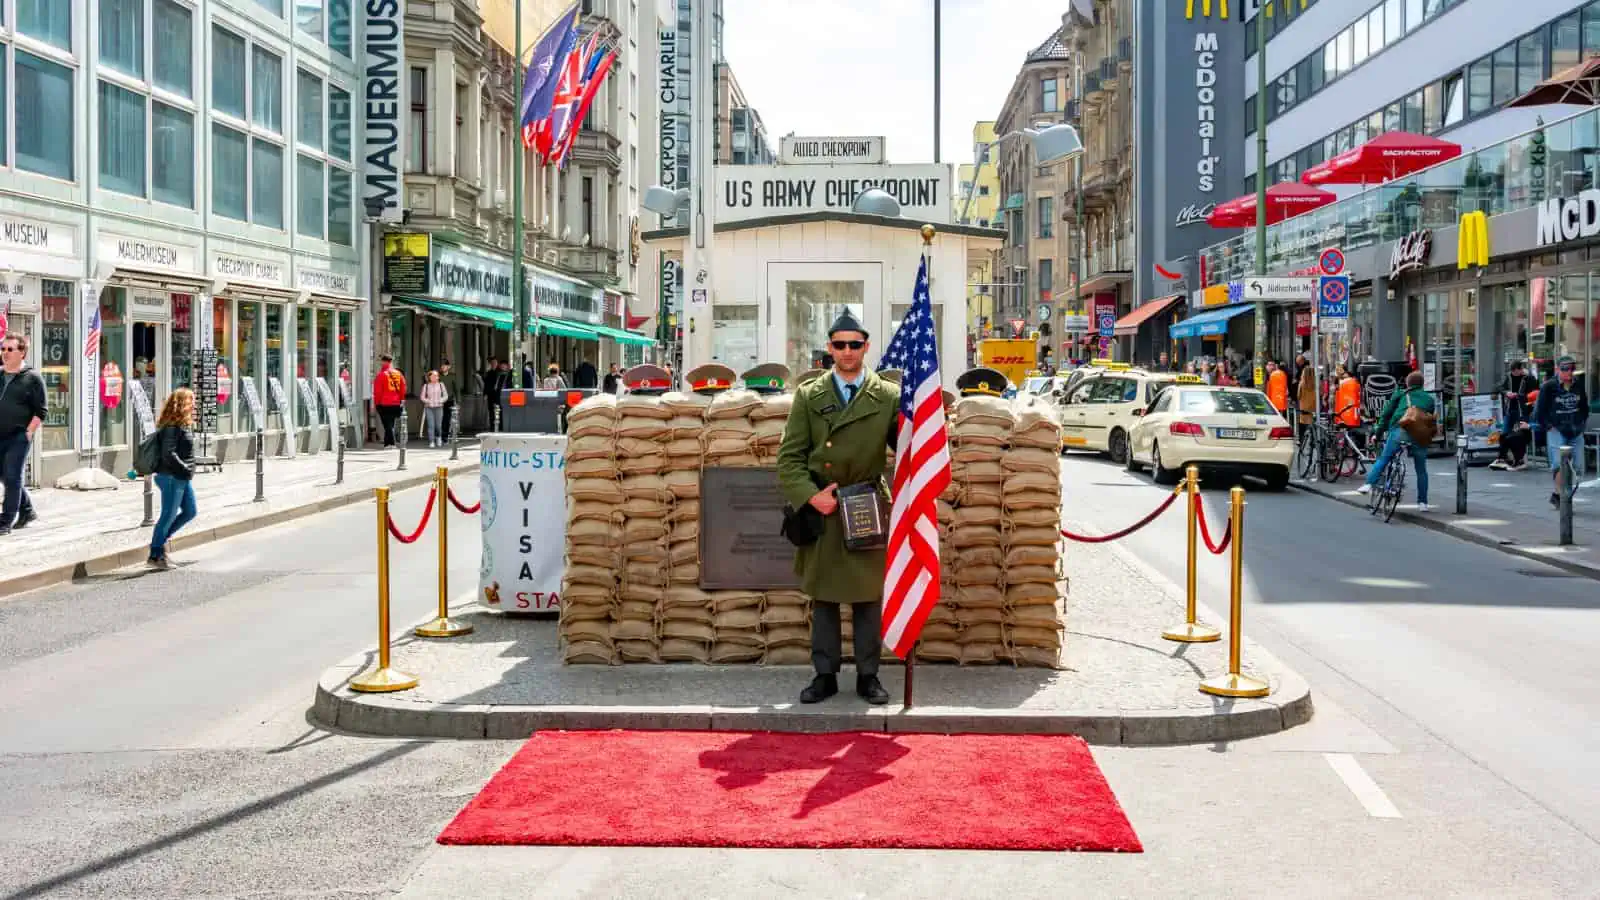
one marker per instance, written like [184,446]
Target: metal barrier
[1461,474]
[338,464]
[1566,483]
[1236,684]
[455,431]
[261,472]
[149,502]
[404,426]
[442,625]
[1191,631]
[381,678]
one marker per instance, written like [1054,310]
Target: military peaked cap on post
[711,378]
[809,375]
[847,322]
[981,382]
[767,378]
[647,379]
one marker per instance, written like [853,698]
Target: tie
[849,393]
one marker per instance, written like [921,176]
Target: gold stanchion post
[443,626]
[1235,684]
[1192,632]
[383,679]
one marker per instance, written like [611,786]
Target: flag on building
[91,338]
[591,87]
[569,91]
[921,473]
[539,82]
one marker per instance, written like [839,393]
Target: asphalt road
[155,741]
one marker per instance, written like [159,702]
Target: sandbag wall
[631,595]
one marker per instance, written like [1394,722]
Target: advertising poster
[522,486]
[1480,421]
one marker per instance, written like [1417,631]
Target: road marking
[1361,784]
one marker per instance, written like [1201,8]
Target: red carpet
[741,789]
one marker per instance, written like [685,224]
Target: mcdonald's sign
[1205,9]
[1472,241]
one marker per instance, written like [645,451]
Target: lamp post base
[1233,685]
[442,627]
[382,681]
[1192,633]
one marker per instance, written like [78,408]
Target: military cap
[711,378]
[981,381]
[809,375]
[767,378]
[647,379]
[847,322]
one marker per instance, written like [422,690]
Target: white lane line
[1361,784]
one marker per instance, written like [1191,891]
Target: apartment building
[741,137]
[977,202]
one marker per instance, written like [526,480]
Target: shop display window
[247,354]
[55,363]
[222,340]
[113,366]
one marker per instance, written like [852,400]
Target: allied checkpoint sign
[522,486]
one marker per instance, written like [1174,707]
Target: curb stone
[119,559]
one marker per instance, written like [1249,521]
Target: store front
[41,261]
[778,282]
[1146,331]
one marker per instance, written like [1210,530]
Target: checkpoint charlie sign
[754,192]
[812,151]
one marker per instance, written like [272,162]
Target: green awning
[542,324]
[501,318]
[623,337]
[563,328]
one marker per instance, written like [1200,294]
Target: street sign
[1252,289]
[1333,326]
[1072,322]
[1333,297]
[1331,261]
[1106,318]
[1044,312]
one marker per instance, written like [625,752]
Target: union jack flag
[921,473]
[91,338]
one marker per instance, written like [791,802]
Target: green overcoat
[828,442]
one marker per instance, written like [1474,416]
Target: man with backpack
[388,396]
[1411,425]
[22,411]
[1562,412]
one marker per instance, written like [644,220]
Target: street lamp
[665,201]
[1053,143]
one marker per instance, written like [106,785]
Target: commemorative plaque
[741,548]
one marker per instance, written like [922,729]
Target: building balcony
[1108,71]
[1074,110]
[1093,90]
[596,264]
[597,148]
[1125,54]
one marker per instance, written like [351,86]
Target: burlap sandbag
[1038,657]
[978,575]
[682,595]
[633,592]
[796,598]
[601,407]
[689,447]
[641,406]
[939,651]
[645,573]
[580,574]
[942,614]
[1044,616]
[699,614]
[588,653]
[642,428]
[1026,459]
[600,429]
[633,630]
[680,403]
[683,552]
[598,490]
[589,593]
[968,454]
[1042,517]
[723,601]
[975,536]
[1025,574]
[572,610]
[784,615]
[635,530]
[584,509]
[976,515]
[776,406]
[1033,537]
[944,512]
[1030,556]
[979,596]
[991,410]
[734,429]
[683,485]
[739,461]
[635,610]
[982,654]
[591,555]
[680,650]
[684,511]
[684,463]
[986,615]
[686,630]
[634,448]
[978,434]
[604,467]
[987,555]
[725,652]
[787,655]
[653,552]
[987,471]
[648,487]
[593,532]
[593,446]
[732,405]
[683,533]
[653,464]
[1032,490]
[747,619]
[770,432]
[982,633]
[638,651]
[980,495]
[1037,426]
[1031,593]
[951,492]
[788,635]
[1031,636]
[686,573]
[637,507]
[724,447]
[939,632]
[744,637]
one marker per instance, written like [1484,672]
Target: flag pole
[519,309]
[911,658]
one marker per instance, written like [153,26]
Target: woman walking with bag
[174,471]
[1408,424]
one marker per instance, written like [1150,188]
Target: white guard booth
[523,489]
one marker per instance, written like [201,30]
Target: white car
[1105,405]
[1219,429]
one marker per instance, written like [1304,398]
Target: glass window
[1413,15]
[308,101]
[339,28]
[1505,74]
[305,414]
[1330,60]
[1480,81]
[1047,95]
[1047,216]
[266,89]
[341,208]
[1358,43]
[1341,45]
[1391,117]
[228,173]
[172,46]
[122,140]
[247,355]
[172,155]
[1432,107]
[122,36]
[324,351]
[47,20]
[3,107]
[1591,29]
[44,138]
[1566,43]
[1530,61]
[1455,100]
[222,340]
[56,357]
[346,331]
[339,122]
[113,368]
[310,209]
[1411,113]
[417,123]
[811,307]
[272,6]
[227,72]
[308,17]
[266,183]
[1391,20]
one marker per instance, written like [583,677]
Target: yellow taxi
[1221,429]
[1101,409]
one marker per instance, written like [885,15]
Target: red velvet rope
[1171,498]
[1205,533]
[457,503]
[426,512]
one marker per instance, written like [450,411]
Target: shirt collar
[840,382]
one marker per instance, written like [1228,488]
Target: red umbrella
[1284,199]
[1389,155]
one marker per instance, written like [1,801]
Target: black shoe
[1555,500]
[25,517]
[5,530]
[870,689]
[821,688]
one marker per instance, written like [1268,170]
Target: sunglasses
[850,345]
[11,349]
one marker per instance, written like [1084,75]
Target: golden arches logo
[1205,9]
[1472,241]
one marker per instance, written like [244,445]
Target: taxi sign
[1191,379]
[1114,366]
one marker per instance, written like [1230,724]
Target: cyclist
[1562,410]
[1395,437]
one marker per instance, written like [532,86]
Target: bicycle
[1391,484]
[1345,456]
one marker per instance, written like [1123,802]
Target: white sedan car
[1219,429]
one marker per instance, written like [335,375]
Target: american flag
[91,338]
[921,473]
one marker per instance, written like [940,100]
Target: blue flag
[539,84]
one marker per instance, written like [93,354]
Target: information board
[141,409]
[521,479]
[204,375]
[303,385]
[252,399]
[741,511]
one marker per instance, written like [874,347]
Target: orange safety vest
[1278,390]
[1349,394]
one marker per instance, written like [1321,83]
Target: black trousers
[827,651]
[388,415]
[1514,446]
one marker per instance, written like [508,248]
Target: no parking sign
[1333,297]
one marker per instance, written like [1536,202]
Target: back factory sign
[756,192]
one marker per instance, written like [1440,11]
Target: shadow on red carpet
[837,790]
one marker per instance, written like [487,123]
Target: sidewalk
[1509,511]
[80,533]
[1120,682]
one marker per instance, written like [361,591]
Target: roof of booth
[994,234]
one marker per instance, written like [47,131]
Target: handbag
[865,516]
[1421,425]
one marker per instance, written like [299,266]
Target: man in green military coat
[837,434]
